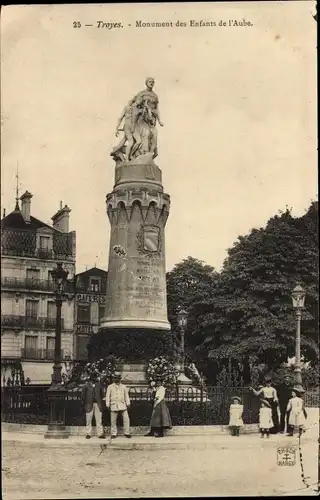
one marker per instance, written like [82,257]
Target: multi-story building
[90,302]
[30,250]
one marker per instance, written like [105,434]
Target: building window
[51,310]
[32,308]
[94,285]
[83,313]
[50,343]
[82,342]
[45,242]
[49,348]
[33,274]
[30,343]
[101,312]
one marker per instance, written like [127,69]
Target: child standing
[236,411]
[265,418]
[297,412]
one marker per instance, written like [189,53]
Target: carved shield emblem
[151,239]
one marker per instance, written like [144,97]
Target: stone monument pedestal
[136,298]
[136,286]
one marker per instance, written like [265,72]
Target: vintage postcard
[159,250]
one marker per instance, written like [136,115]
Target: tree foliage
[251,311]
[190,285]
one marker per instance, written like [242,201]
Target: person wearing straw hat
[235,412]
[269,393]
[118,402]
[298,415]
[265,418]
[160,418]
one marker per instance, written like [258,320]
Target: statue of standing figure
[140,118]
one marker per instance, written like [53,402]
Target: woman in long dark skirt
[160,418]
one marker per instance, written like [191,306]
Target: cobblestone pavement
[241,466]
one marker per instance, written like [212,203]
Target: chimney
[26,205]
[61,219]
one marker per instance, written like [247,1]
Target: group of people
[117,401]
[286,400]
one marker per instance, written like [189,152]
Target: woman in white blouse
[269,394]
[160,418]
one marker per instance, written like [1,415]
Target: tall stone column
[138,210]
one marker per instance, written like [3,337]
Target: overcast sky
[238,105]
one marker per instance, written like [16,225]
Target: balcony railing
[28,284]
[39,354]
[33,284]
[13,321]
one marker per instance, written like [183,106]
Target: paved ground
[198,466]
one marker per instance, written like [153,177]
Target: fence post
[57,397]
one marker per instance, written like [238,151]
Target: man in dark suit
[93,394]
[284,392]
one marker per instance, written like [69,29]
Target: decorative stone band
[135,323]
[144,200]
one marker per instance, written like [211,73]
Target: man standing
[118,402]
[284,392]
[92,394]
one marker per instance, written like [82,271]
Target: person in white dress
[265,418]
[235,414]
[298,414]
[269,393]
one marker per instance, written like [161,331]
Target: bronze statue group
[285,400]
[117,401]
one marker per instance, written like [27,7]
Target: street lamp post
[59,276]
[298,298]
[182,317]
[57,393]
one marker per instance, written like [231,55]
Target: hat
[298,388]
[265,402]
[117,375]
[237,398]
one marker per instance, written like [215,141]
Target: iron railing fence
[191,406]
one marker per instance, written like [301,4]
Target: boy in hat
[298,414]
[235,412]
[93,394]
[265,418]
[118,402]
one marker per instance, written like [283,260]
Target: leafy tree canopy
[251,308]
